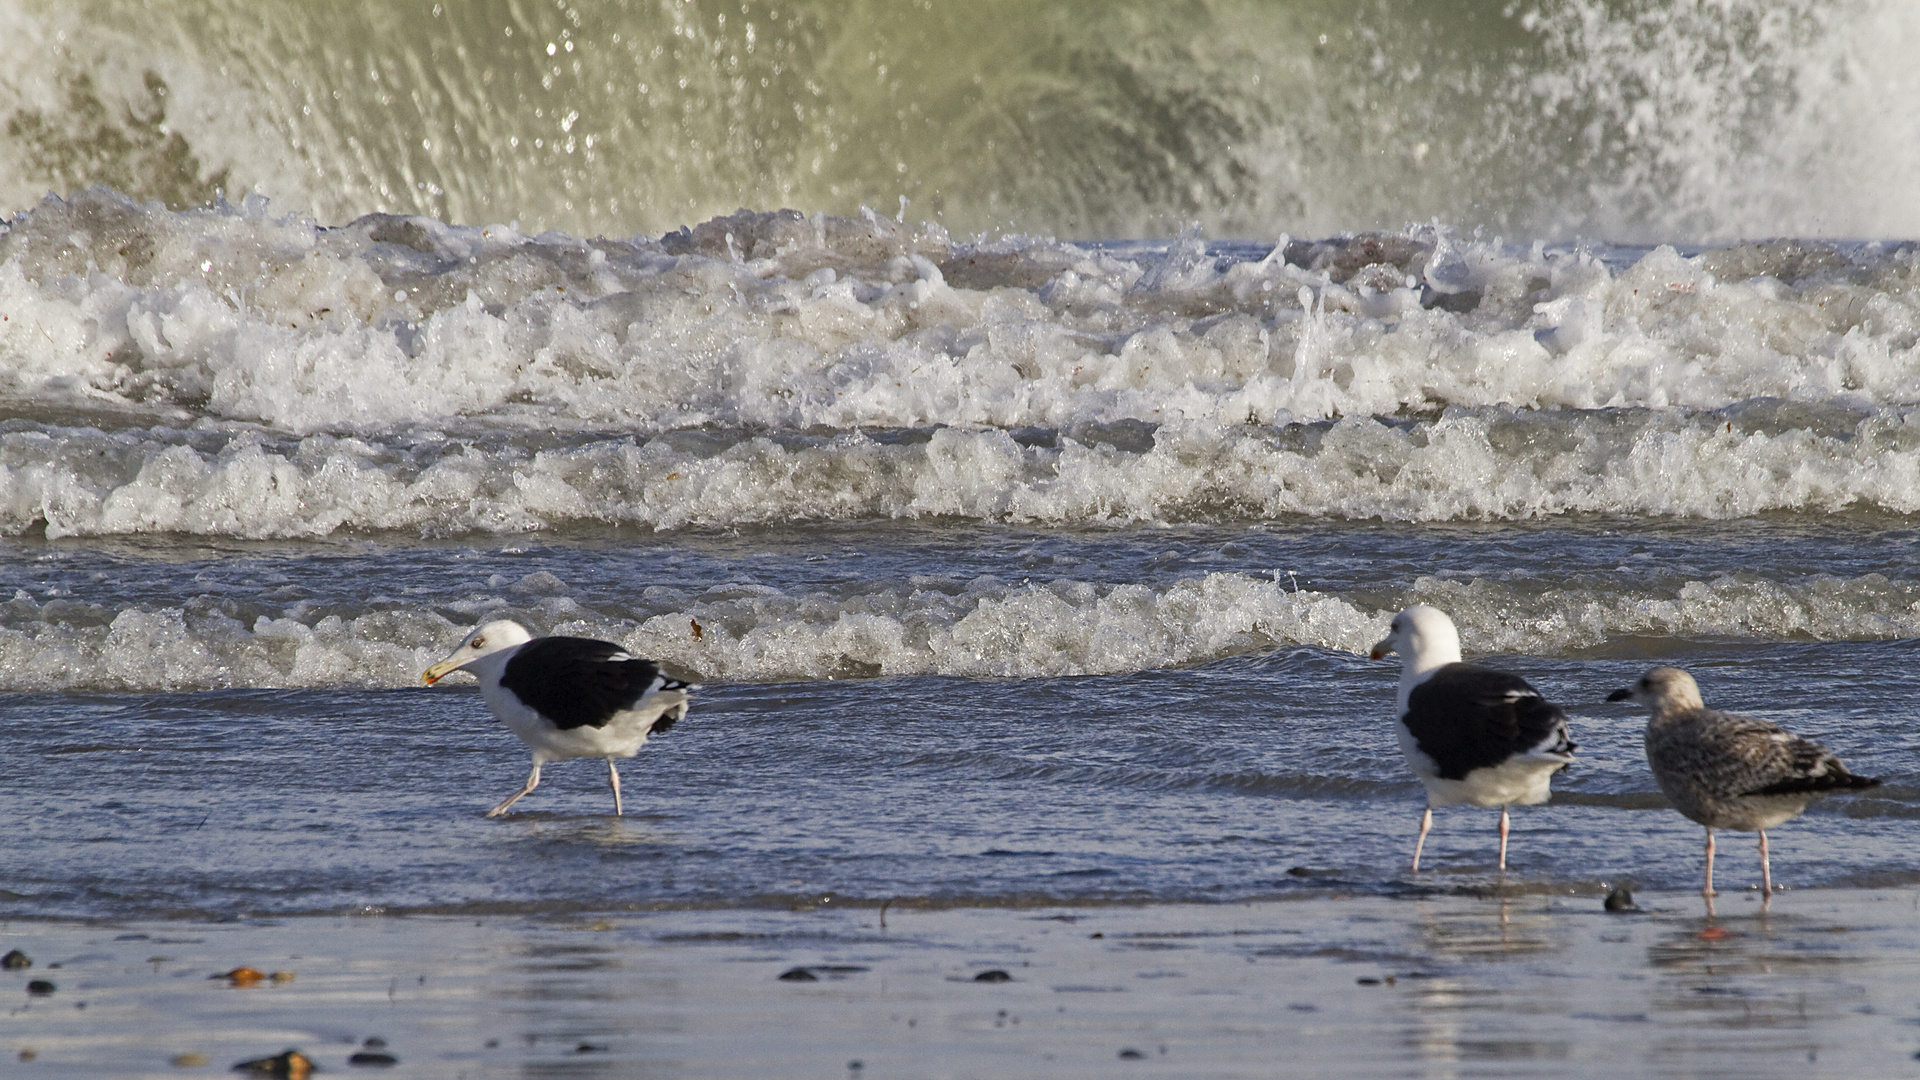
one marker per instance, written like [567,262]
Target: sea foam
[985,628]
[223,371]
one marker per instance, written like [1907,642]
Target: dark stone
[40,988]
[1620,900]
[993,975]
[290,1065]
[798,974]
[589,1048]
[1130,1054]
[372,1057]
[1367,980]
[16,961]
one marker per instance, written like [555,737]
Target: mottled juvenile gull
[567,697]
[1728,771]
[1471,734]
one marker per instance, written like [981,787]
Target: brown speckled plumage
[1728,771]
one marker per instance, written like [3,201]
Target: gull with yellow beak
[567,697]
[1471,734]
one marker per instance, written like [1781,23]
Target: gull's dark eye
[477,642]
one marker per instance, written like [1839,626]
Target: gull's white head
[1423,636]
[488,639]
[1664,690]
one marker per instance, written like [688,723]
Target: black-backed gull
[567,697]
[1728,771]
[1471,734]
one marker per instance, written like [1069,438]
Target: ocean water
[1025,502]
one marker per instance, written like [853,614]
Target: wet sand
[1825,984]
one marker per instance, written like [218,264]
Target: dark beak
[1621,694]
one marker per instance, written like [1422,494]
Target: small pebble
[28,1053]
[372,1057]
[241,976]
[41,988]
[375,1042]
[289,1065]
[1130,1054]
[187,1061]
[16,961]
[855,1065]
[798,974]
[589,1048]
[993,975]
[1367,980]
[1621,900]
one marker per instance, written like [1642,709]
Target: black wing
[582,682]
[1466,718]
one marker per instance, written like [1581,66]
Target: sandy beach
[1442,986]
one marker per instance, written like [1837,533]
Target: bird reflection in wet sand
[1728,771]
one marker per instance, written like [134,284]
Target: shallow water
[1266,772]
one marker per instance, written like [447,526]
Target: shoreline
[1438,984]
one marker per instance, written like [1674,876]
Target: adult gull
[1471,734]
[567,697]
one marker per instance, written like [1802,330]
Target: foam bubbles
[242,374]
[1467,464]
[985,628]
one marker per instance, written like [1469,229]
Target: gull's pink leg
[533,781]
[1766,870]
[1708,890]
[1503,839]
[613,775]
[1426,822]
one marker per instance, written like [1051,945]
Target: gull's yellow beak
[1381,649]
[438,671]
